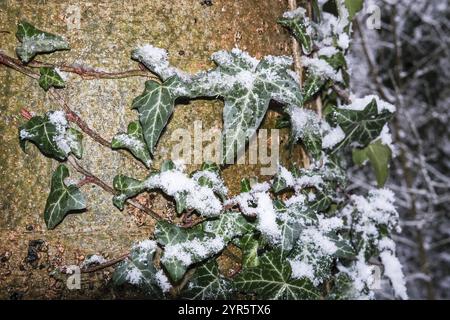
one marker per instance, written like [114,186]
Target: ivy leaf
[133,140]
[245,185]
[183,247]
[208,283]
[379,156]
[156,105]
[298,27]
[344,247]
[138,269]
[62,198]
[247,102]
[271,279]
[127,188]
[279,184]
[250,245]
[353,7]
[229,225]
[34,41]
[360,126]
[54,140]
[313,84]
[50,78]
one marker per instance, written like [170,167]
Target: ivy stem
[344,95]
[296,49]
[86,73]
[26,114]
[106,264]
[91,178]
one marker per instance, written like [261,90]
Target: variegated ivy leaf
[52,135]
[184,247]
[139,270]
[361,126]
[297,23]
[250,244]
[156,105]
[379,155]
[62,198]
[229,225]
[34,41]
[246,84]
[133,140]
[271,279]
[207,283]
[50,78]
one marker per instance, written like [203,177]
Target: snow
[302,269]
[333,137]
[200,198]
[361,103]
[134,275]
[162,281]
[62,74]
[327,51]
[94,259]
[393,270]
[63,139]
[303,121]
[24,134]
[321,68]
[146,245]
[129,141]
[297,13]
[386,138]
[266,218]
[193,250]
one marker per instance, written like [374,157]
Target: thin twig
[296,49]
[97,181]
[106,264]
[344,95]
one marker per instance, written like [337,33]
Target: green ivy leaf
[50,78]
[360,126]
[229,225]
[245,185]
[170,235]
[34,41]
[156,105]
[46,135]
[272,280]
[139,270]
[62,199]
[133,140]
[249,246]
[207,283]
[379,156]
[353,7]
[312,86]
[278,184]
[298,28]
[127,188]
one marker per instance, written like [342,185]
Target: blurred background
[404,58]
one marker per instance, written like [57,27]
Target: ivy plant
[300,235]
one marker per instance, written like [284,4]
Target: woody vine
[301,235]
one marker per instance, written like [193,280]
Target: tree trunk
[106,34]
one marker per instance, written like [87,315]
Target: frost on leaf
[34,41]
[133,140]
[52,135]
[207,283]
[359,126]
[176,184]
[184,247]
[272,279]
[50,78]
[62,199]
[139,270]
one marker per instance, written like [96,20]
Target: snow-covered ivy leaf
[228,225]
[184,247]
[51,134]
[278,184]
[156,105]
[313,84]
[379,155]
[133,140]
[343,245]
[139,270]
[62,198]
[271,279]
[361,126]
[299,28]
[207,283]
[50,78]
[34,41]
